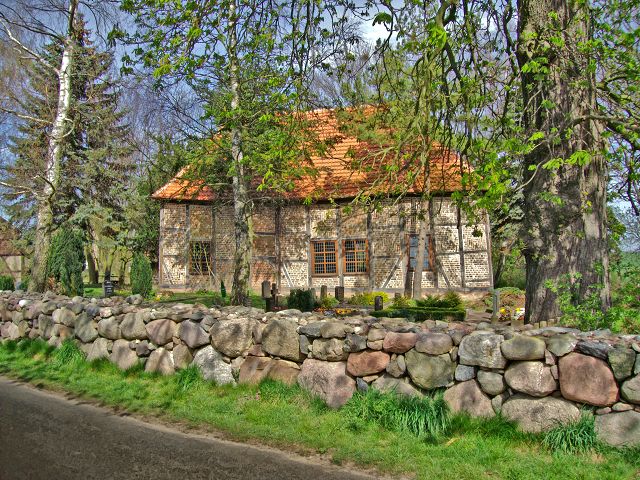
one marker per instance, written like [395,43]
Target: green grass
[290,418]
[576,437]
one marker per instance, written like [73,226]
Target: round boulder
[586,379]
[328,380]
[428,371]
[537,415]
[365,363]
[522,347]
[468,397]
[232,336]
[532,378]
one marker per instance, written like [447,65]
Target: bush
[328,302]
[368,298]
[420,314]
[66,261]
[576,437]
[301,299]
[450,299]
[6,282]
[141,276]
[223,290]
[402,302]
[425,417]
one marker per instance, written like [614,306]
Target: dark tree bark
[565,207]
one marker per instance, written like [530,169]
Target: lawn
[291,419]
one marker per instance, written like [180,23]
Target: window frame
[325,263]
[430,253]
[208,271]
[355,261]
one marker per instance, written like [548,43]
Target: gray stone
[122,355]
[109,328]
[328,380]
[92,310]
[387,383]
[521,347]
[636,368]
[483,350]
[132,327]
[464,373]
[539,414]
[619,429]
[335,330]
[630,390]
[64,316]
[213,367]
[45,325]
[492,382]
[98,349]
[621,407]
[467,397]
[234,336]
[86,328]
[533,378]
[330,349]
[376,334]
[622,361]
[182,357]
[498,401]
[361,385]
[434,343]
[429,372]
[161,331]
[304,345]
[594,349]
[193,335]
[355,343]
[311,329]
[160,361]
[375,345]
[397,366]
[562,344]
[280,339]
[142,348]
[10,331]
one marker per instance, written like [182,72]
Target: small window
[324,260]
[200,260]
[356,256]
[413,253]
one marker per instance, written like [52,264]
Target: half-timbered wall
[283,236]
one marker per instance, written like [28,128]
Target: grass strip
[366,435]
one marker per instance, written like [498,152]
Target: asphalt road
[46,436]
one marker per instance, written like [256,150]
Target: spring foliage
[66,261]
[141,276]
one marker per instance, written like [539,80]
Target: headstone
[266,289]
[323,292]
[378,303]
[339,292]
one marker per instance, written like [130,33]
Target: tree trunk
[241,200]
[565,207]
[44,218]
[423,217]
[91,267]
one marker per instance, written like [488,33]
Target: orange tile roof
[346,168]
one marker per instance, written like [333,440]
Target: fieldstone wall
[537,377]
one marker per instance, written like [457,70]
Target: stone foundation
[539,378]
